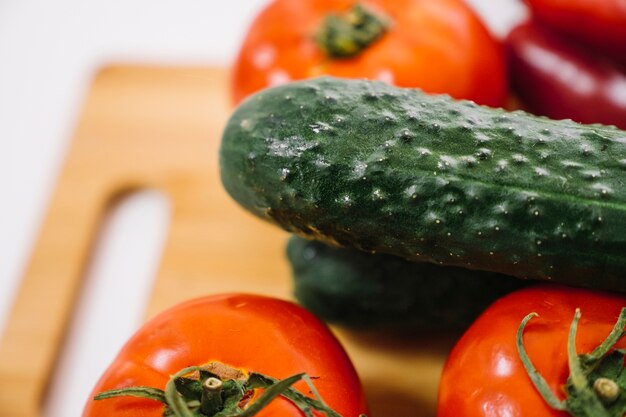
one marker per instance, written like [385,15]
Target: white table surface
[48,53]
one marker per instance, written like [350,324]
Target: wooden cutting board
[155,127]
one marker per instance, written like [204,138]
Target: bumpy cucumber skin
[357,289]
[365,165]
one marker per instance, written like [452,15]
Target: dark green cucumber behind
[357,289]
[365,165]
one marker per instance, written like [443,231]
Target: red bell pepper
[556,78]
[600,24]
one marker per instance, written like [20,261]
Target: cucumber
[360,290]
[365,165]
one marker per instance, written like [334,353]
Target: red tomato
[484,375]
[247,332]
[601,23]
[439,46]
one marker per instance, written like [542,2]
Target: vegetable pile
[375,168]
[419,211]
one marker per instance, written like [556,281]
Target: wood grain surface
[156,127]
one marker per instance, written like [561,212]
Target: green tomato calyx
[347,35]
[216,390]
[596,386]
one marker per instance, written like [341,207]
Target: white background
[48,52]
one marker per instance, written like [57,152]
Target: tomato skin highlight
[554,77]
[484,375]
[249,332]
[439,46]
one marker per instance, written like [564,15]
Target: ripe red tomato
[599,23]
[484,375]
[247,332]
[439,46]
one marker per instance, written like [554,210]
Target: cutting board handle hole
[113,296]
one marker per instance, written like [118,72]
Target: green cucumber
[365,165]
[360,290]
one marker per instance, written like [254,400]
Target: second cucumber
[357,289]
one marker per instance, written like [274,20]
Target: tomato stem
[211,401]
[347,35]
[607,390]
